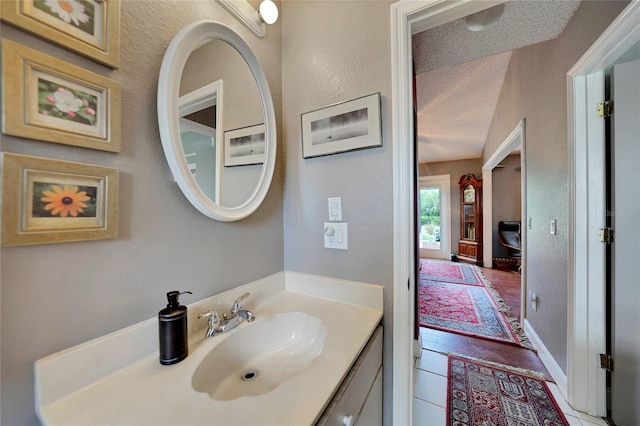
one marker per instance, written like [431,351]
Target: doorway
[407,16]
[586,387]
[515,142]
[434,235]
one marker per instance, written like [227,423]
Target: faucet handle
[236,305]
[214,321]
[205,314]
[212,313]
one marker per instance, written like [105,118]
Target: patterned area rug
[483,393]
[469,310]
[451,272]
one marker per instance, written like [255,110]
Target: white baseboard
[554,369]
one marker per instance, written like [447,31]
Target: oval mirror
[216,121]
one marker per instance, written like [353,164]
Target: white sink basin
[261,356]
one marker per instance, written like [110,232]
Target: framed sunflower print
[48,99]
[52,201]
[88,27]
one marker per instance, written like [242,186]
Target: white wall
[58,295]
[335,51]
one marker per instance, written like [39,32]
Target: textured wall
[456,169]
[535,88]
[58,295]
[333,52]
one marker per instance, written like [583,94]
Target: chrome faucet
[226,323]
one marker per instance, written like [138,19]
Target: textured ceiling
[459,74]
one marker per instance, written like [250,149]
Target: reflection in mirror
[207,116]
[198,125]
[199,116]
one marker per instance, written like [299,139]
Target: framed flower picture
[88,27]
[48,99]
[51,201]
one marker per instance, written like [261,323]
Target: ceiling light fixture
[485,18]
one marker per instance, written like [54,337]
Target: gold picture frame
[52,201]
[88,27]
[48,99]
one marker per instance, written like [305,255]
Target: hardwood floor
[507,284]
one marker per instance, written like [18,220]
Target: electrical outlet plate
[534,300]
[336,235]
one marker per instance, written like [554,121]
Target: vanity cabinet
[470,244]
[358,400]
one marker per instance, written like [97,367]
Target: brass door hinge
[605,109]
[606,362]
[606,235]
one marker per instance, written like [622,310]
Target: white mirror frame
[175,58]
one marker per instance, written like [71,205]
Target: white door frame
[443,182]
[586,388]
[515,140]
[408,17]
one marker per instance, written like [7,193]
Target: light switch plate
[335,209]
[336,235]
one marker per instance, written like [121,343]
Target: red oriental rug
[451,272]
[469,310]
[484,393]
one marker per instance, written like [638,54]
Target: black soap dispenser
[172,322]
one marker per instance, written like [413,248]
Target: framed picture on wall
[342,127]
[244,146]
[88,27]
[51,100]
[52,201]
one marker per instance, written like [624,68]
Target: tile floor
[430,394]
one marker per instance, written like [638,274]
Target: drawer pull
[347,420]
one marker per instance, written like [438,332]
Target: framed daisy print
[52,201]
[48,99]
[88,27]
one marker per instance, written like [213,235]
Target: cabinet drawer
[350,397]
[371,414]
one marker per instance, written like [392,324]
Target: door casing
[586,386]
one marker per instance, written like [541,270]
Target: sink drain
[249,375]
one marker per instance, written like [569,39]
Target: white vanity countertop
[144,392]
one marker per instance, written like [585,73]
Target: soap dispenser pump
[172,322]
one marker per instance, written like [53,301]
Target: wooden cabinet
[470,245]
